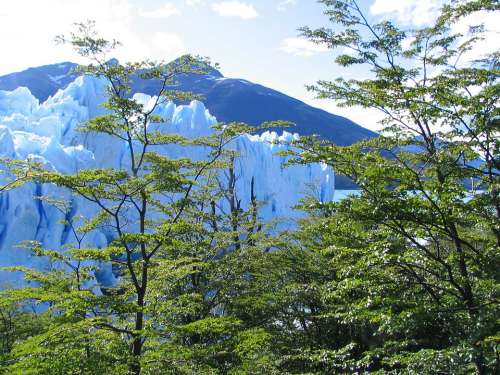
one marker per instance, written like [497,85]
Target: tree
[176,267]
[415,257]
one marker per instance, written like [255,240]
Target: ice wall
[47,132]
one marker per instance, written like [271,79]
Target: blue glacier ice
[47,132]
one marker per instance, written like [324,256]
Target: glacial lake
[341,194]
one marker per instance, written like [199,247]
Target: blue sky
[251,39]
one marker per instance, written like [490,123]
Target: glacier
[47,133]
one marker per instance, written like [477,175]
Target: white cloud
[408,12]
[28,29]
[491,41]
[194,2]
[424,12]
[406,43]
[348,51]
[286,4]
[169,46]
[165,11]
[235,9]
[302,47]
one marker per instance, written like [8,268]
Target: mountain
[47,133]
[43,81]
[228,99]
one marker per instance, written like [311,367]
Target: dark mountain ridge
[228,99]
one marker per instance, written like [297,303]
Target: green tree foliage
[402,278]
[182,259]
[414,259]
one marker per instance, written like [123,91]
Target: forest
[401,278]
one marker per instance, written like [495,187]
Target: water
[341,194]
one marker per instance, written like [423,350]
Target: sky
[255,40]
